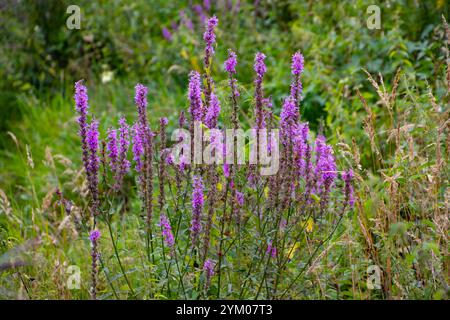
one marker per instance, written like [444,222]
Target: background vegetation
[392,128]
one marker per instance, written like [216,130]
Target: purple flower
[163,121]
[297,63]
[212,114]
[297,69]
[197,207]
[208,267]
[174,26]
[122,165]
[240,198]
[166,34]
[140,99]
[195,96]
[199,10]
[260,66]
[94,235]
[271,250]
[166,231]
[138,145]
[124,144]
[231,62]
[300,146]
[168,156]
[111,147]
[260,69]
[81,106]
[325,170]
[81,98]
[347,176]
[207,5]
[186,21]
[183,163]
[92,143]
[288,119]
[210,38]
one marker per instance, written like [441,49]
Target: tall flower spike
[166,231]
[288,119]
[208,267]
[260,69]
[123,165]
[111,146]
[197,207]
[210,38]
[82,106]
[138,146]
[140,99]
[213,112]
[231,62]
[297,69]
[92,143]
[195,96]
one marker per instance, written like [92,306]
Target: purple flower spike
[140,99]
[92,143]
[271,250]
[94,236]
[213,112]
[138,146]
[298,63]
[163,121]
[208,267]
[231,62]
[210,38]
[81,98]
[288,119]
[113,152]
[297,69]
[240,198]
[166,231]
[197,207]
[195,96]
[260,66]
[82,106]
[260,69]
